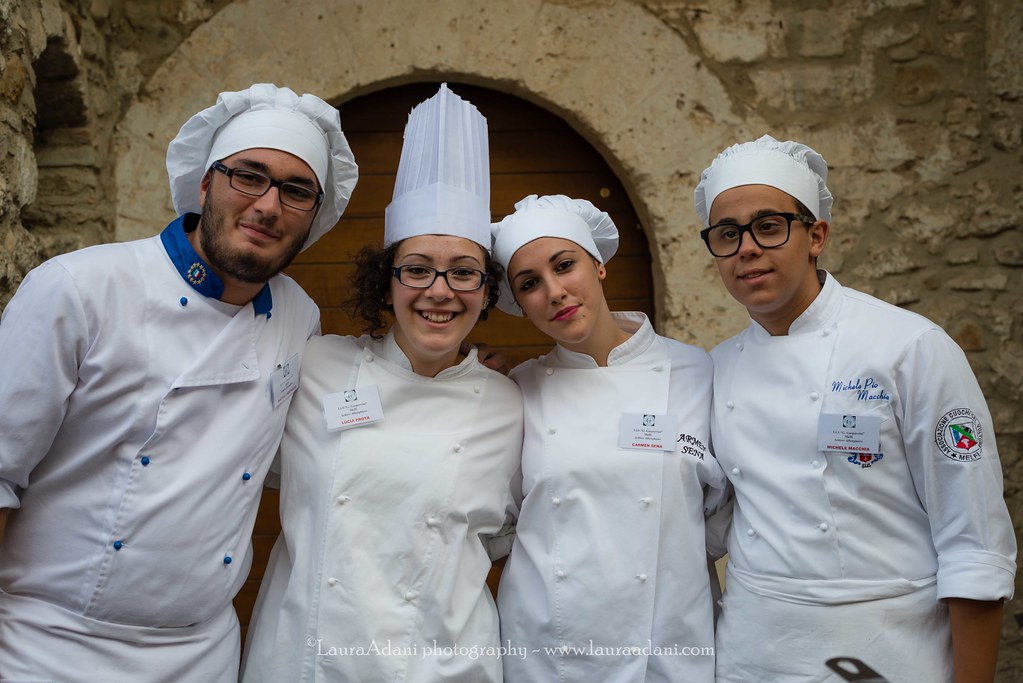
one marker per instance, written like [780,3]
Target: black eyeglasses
[769,231]
[256,184]
[422,277]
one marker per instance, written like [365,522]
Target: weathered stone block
[99,9]
[825,33]
[961,255]
[974,282]
[737,32]
[1009,253]
[23,173]
[901,297]
[1004,49]
[54,20]
[879,5]
[917,83]
[955,45]
[988,219]
[1008,369]
[195,11]
[970,337]
[886,260]
[812,86]
[892,35]
[13,79]
[928,225]
[1006,121]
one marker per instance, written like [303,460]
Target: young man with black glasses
[143,391]
[869,518]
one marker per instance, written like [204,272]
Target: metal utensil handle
[860,672]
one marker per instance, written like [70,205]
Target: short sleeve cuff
[976,575]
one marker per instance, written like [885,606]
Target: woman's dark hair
[371,283]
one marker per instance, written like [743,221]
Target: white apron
[85,650]
[905,638]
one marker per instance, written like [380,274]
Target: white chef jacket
[135,432]
[607,579]
[380,571]
[877,538]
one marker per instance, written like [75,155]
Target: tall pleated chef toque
[443,182]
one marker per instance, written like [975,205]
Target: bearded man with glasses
[144,390]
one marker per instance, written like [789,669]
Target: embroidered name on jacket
[690,445]
[865,388]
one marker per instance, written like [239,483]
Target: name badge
[284,381]
[352,408]
[647,432]
[849,433]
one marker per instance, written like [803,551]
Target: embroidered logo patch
[865,460]
[196,274]
[958,435]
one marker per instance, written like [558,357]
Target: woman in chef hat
[399,460]
[607,578]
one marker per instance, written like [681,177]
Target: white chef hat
[788,166]
[265,116]
[576,220]
[443,181]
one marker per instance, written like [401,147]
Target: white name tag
[647,432]
[352,408]
[849,433]
[284,381]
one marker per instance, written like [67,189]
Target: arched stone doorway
[531,151]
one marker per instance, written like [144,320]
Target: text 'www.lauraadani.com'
[506,649]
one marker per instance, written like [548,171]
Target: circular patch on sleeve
[958,435]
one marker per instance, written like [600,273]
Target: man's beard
[236,263]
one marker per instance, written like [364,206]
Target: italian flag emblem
[962,438]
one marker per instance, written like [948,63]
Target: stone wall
[68,71]
[917,106]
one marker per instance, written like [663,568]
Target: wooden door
[531,152]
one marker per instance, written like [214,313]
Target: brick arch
[630,85]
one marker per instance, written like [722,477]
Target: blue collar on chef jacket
[195,271]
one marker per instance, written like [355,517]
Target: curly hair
[371,283]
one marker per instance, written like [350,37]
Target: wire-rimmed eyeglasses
[769,231]
[459,279]
[256,184]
